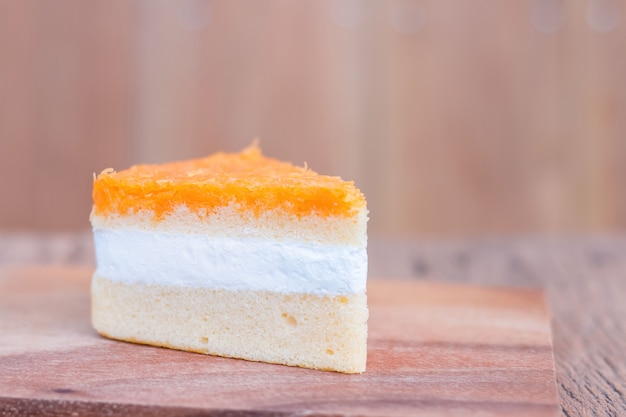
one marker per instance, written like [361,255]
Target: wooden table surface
[584,280]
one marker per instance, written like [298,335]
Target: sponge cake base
[307,330]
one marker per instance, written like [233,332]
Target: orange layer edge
[246,180]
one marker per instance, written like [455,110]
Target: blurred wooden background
[455,118]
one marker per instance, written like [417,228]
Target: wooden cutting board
[434,350]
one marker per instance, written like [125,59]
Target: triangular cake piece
[235,255]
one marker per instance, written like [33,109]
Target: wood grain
[584,283]
[65,109]
[434,349]
[485,117]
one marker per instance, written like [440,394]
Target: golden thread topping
[246,180]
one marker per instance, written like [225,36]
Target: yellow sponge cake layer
[229,221]
[312,331]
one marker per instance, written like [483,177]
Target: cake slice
[236,255]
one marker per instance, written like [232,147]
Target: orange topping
[248,180]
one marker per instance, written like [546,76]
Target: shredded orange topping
[248,180]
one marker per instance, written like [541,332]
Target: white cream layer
[135,256]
